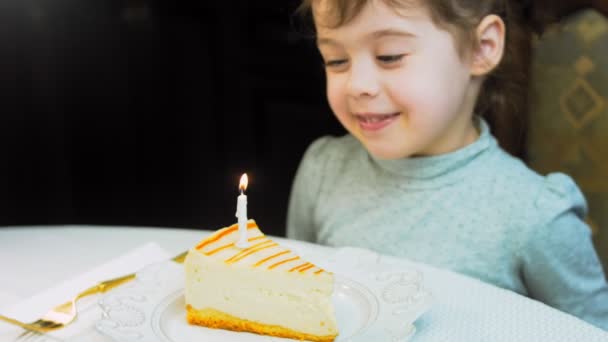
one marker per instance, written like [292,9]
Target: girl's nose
[363,80]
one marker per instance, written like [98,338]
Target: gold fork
[65,313]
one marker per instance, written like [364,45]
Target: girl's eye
[335,63]
[390,58]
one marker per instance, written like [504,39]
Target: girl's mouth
[375,122]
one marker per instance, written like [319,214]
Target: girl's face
[397,83]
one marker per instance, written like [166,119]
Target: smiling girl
[420,175]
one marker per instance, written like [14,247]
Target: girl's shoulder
[543,197]
[560,190]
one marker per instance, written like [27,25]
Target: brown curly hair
[503,97]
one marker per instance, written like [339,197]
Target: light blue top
[476,211]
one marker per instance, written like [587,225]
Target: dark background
[147,112]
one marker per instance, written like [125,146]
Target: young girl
[420,175]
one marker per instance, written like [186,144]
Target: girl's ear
[490,45]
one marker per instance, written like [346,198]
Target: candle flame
[244,182]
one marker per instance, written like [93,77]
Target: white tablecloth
[463,309]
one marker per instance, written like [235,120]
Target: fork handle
[112,283]
[106,285]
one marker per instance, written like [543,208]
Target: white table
[464,309]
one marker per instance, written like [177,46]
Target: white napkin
[33,308]
[8,299]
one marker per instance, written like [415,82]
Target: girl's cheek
[414,95]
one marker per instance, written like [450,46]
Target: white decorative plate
[375,300]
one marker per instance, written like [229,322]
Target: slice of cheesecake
[265,288]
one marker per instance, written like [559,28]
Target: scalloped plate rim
[394,317]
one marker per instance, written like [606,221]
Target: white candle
[241,214]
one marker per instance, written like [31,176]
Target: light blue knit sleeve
[560,266]
[304,192]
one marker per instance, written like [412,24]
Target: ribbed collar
[441,169]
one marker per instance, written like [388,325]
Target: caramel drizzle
[228,230]
[299,266]
[271,257]
[282,262]
[255,250]
[232,245]
[247,250]
[306,268]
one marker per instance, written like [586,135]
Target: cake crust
[212,318]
